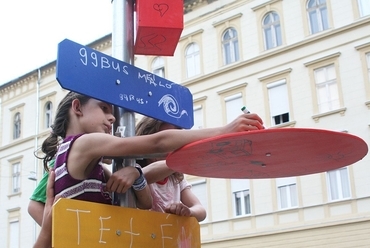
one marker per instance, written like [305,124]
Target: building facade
[297,63]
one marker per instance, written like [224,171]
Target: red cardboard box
[159,24]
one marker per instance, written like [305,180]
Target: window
[48,114]
[158,67]
[272,30]
[17,126]
[241,196]
[14,234]
[16,173]
[364,7]
[233,105]
[287,192]
[192,58]
[278,101]
[338,184]
[317,15]
[198,117]
[199,189]
[326,88]
[230,46]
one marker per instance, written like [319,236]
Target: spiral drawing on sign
[171,106]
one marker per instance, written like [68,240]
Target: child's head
[147,126]
[62,117]
[92,116]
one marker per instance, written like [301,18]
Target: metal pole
[122,49]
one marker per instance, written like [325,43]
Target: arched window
[230,46]
[271,30]
[317,15]
[48,110]
[192,59]
[158,66]
[17,126]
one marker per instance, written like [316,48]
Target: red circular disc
[268,153]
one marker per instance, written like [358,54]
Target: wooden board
[269,153]
[86,224]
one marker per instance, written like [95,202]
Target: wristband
[140,183]
[139,170]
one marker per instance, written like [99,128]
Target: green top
[39,194]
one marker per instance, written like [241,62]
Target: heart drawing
[161,8]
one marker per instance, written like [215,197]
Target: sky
[31,30]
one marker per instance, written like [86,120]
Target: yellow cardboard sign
[86,224]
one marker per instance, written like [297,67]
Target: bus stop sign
[92,73]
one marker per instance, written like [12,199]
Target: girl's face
[97,117]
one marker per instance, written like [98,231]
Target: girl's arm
[189,206]
[36,210]
[88,148]
[144,198]
[95,145]
[44,238]
[157,171]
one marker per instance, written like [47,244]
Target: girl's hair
[147,126]
[59,128]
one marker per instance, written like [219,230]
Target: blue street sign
[92,73]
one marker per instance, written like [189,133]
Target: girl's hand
[121,180]
[178,209]
[245,122]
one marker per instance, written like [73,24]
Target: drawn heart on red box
[161,8]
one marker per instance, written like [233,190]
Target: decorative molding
[17,106]
[285,124]
[47,95]
[232,88]
[190,5]
[11,160]
[227,19]
[265,4]
[331,56]
[275,74]
[341,111]
[191,34]
[366,45]
[203,98]
[13,209]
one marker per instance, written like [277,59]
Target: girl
[171,193]
[85,125]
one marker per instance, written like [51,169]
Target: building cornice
[280,50]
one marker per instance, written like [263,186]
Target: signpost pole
[122,49]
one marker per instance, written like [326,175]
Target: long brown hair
[59,128]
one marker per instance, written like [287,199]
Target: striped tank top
[91,189]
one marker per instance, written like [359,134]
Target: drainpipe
[33,175]
[37,128]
